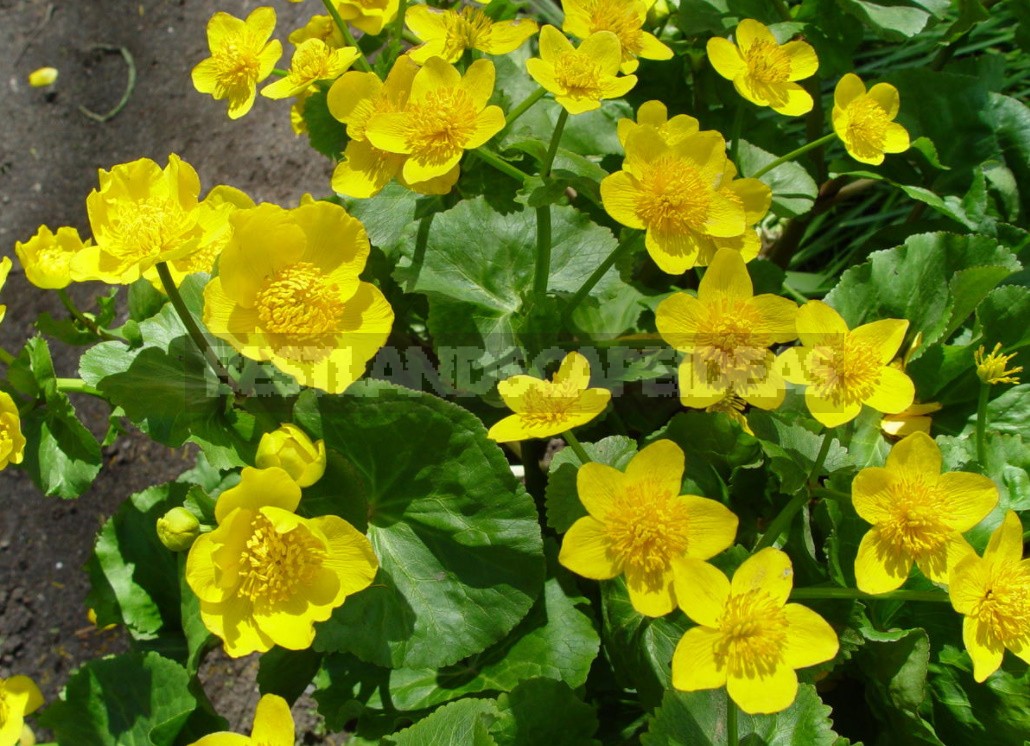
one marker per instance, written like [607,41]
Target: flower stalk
[85,320]
[628,240]
[524,106]
[808,594]
[361,62]
[542,275]
[732,727]
[577,447]
[794,154]
[981,422]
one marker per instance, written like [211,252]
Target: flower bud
[658,13]
[43,77]
[177,529]
[291,449]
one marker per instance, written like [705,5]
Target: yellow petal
[810,639]
[694,666]
[618,87]
[884,336]
[677,319]
[598,485]
[350,91]
[489,122]
[829,413]
[749,31]
[604,50]
[426,22]
[970,497]
[879,567]
[653,112]
[651,48]
[887,97]
[791,365]
[365,170]
[586,550]
[389,132]
[507,36]
[436,73]
[650,593]
[915,457]
[754,195]
[700,389]
[803,61]
[893,392]
[711,527]
[937,564]
[574,369]
[983,647]
[259,488]
[791,100]
[726,276]
[777,317]
[818,324]
[543,73]
[897,139]
[479,84]
[657,468]
[674,253]
[766,389]
[415,169]
[223,738]
[725,58]
[848,89]
[553,43]
[702,590]
[768,570]
[1006,544]
[968,582]
[764,692]
[871,493]
[349,556]
[619,195]
[512,428]
[273,722]
[23,695]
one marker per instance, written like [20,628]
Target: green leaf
[699,719]
[791,446]
[326,135]
[466,721]
[457,537]
[934,280]
[387,217]
[794,191]
[136,699]
[1008,412]
[543,711]
[562,497]
[287,672]
[1004,317]
[900,21]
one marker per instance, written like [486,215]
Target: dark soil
[49,154]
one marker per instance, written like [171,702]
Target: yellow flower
[918,515]
[46,257]
[319,27]
[368,15]
[762,70]
[991,369]
[625,19]
[546,408]
[684,196]
[273,726]
[993,593]
[264,576]
[5,269]
[911,420]
[19,696]
[580,78]
[726,332]
[43,77]
[445,115]
[313,60]
[12,442]
[176,529]
[448,33]
[241,57]
[732,406]
[845,369]
[748,638]
[288,291]
[292,450]
[655,115]
[640,524]
[864,121]
[140,215]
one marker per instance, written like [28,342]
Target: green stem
[502,165]
[793,293]
[577,447]
[628,239]
[552,150]
[191,327]
[5,357]
[361,62]
[732,729]
[782,520]
[87,322]
[783,10]
[279,72]
[738,126]
[832,494]
[793,154]
[824,448]
[76,386]
[523,107]
[542,273]
[799,594]
[398,23]
[981,423]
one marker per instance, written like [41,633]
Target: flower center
[767,62]
[465,30]
[673,198]
[143,229]
[299,300]
[916,525]
[440,124]
[845,371]
[238,66]
[578,74]
[647,529]
[618,17]
[1005,606]
[728,345]
[314,61]
[867,126]
[274,565]
[548,403]
[754,631]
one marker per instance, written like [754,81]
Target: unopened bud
[177,529]
[291,449]
[43,77]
